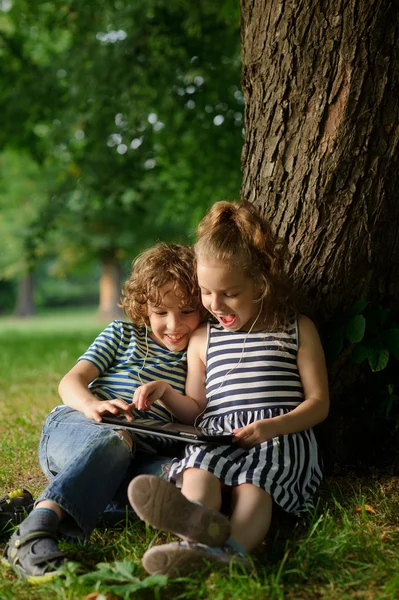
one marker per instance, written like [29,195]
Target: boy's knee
[125,437]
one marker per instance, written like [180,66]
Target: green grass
[341,551]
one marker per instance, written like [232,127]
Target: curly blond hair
[162,265]
[237,234]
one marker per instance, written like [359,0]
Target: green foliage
[73,290]
[7,296]
[24,190]
[137,108]
[373,335]
[121,578]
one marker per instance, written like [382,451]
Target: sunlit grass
[34,355]
[55,320]
[347,548]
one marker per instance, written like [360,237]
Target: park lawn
[346,548]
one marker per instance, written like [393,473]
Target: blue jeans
[89,466]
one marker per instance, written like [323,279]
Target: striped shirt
[127,358]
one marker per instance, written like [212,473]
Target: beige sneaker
[163,506]
[179,559]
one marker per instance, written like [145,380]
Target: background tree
[24,189]
[320,160]
[139,104]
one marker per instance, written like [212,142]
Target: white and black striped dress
[251,377]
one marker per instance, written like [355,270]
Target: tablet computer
[174,431]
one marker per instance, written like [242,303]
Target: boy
[90,464]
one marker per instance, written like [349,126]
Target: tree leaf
[366,508]
[355,329]
[360,352]
[335,342]
[382,314]
[389,405]
[391,338]
[357,308]
[379,359]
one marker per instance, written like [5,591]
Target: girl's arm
[184,407]
[315,406]
[74,392]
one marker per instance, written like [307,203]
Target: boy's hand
[255,433]
[147,394]
[97,408]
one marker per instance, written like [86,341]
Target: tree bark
[25,305]
[110,290]
[320,159]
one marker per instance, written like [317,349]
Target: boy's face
[172,326]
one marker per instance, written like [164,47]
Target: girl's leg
[202,487]
[250,523]
[192,514]
[251,516]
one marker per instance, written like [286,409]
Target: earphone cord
[146,354]
[235,366]
[144,362]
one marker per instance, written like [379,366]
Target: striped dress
[126,359]
[251,377]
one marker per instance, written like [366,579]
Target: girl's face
[172,326]
[228,293]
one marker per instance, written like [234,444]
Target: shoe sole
[176,561]
[161,505]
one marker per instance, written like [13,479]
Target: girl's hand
[255,433]
[147,394]
[94,410]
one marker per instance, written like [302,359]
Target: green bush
[8,294]
[71,291]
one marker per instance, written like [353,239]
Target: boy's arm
[315,406]
[184,407]
[74,392]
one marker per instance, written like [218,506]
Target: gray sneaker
[160,504]
[179,559]
[34,556]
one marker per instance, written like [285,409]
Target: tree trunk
[320,158]
[110,290]
[25,306]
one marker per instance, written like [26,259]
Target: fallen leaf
[100,596]
[367,508]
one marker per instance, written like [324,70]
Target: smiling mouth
[175,339]
[227,320]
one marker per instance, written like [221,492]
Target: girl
[259,372]
[89,464]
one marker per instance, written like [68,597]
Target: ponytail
[237,234]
